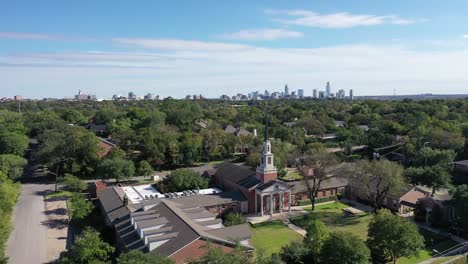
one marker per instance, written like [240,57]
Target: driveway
[28,241]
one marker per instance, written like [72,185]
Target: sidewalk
[57,227]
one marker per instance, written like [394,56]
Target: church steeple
[266,171]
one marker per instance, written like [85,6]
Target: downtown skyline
[53,49]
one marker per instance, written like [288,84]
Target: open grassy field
[269,237]
[334,218]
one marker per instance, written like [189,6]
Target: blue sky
[55,48]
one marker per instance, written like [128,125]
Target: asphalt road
[28,241]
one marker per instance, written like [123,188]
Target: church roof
[271,183]
[240,175]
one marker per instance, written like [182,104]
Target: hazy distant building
[81,96]
[328,89]
[315,93]
[224,97]
[18,98]
[300,93]
[132,96]
[351,95]
[321,95]
[286,90]
[267,93]
[149,96]
[340,94]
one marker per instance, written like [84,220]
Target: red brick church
[265,193]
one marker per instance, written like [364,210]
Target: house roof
[237,174]
[230,129]
[412,196]
[280,184]
[233,233]
[112,204]
[210,199]
[330,183]
[174,226]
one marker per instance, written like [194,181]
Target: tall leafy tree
[391,237]
[344,248]
[460,202]
[184,179]
[79,207]
[379,179]
[89,248]
[12,165]
[316,167]
[13,143]
[116,168]
[317,234]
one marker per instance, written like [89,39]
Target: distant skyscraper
[315,93]
[267,93]
[351,95]
[322,94]
[286,90]
[300,93]
[328,89]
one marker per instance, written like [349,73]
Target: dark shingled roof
[112,204]
[237,174]
[334,182]
[210,199]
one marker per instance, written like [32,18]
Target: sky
[175,48]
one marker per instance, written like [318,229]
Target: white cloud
[465,36]
[177,44]
[263,34]
[36,36]
[368,69]
[334,20]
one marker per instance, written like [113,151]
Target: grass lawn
[58,194]
[269,237]
[334,218]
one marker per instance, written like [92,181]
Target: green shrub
[233,218]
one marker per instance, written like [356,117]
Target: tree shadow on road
[55,223]
[57,211]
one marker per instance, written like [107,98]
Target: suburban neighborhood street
[28,240]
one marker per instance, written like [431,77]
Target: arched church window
[269,160]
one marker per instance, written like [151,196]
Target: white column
[261,204]
[271,204]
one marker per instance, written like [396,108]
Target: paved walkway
[57,227]
[28,241]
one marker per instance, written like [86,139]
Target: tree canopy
[182,180]
[391,237]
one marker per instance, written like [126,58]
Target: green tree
[295,253]
[233,218]
[144,168]
[13,143]
[12,165]
[324,166]
[116,168]
[73,183]
[138,257]
[69,149]
[379,179]
[89,248]
[9,192]
[74,117]
[460,202]
[344,248]
[435,177]
[79,207]
[184,179]
[317,234]
[391,237]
